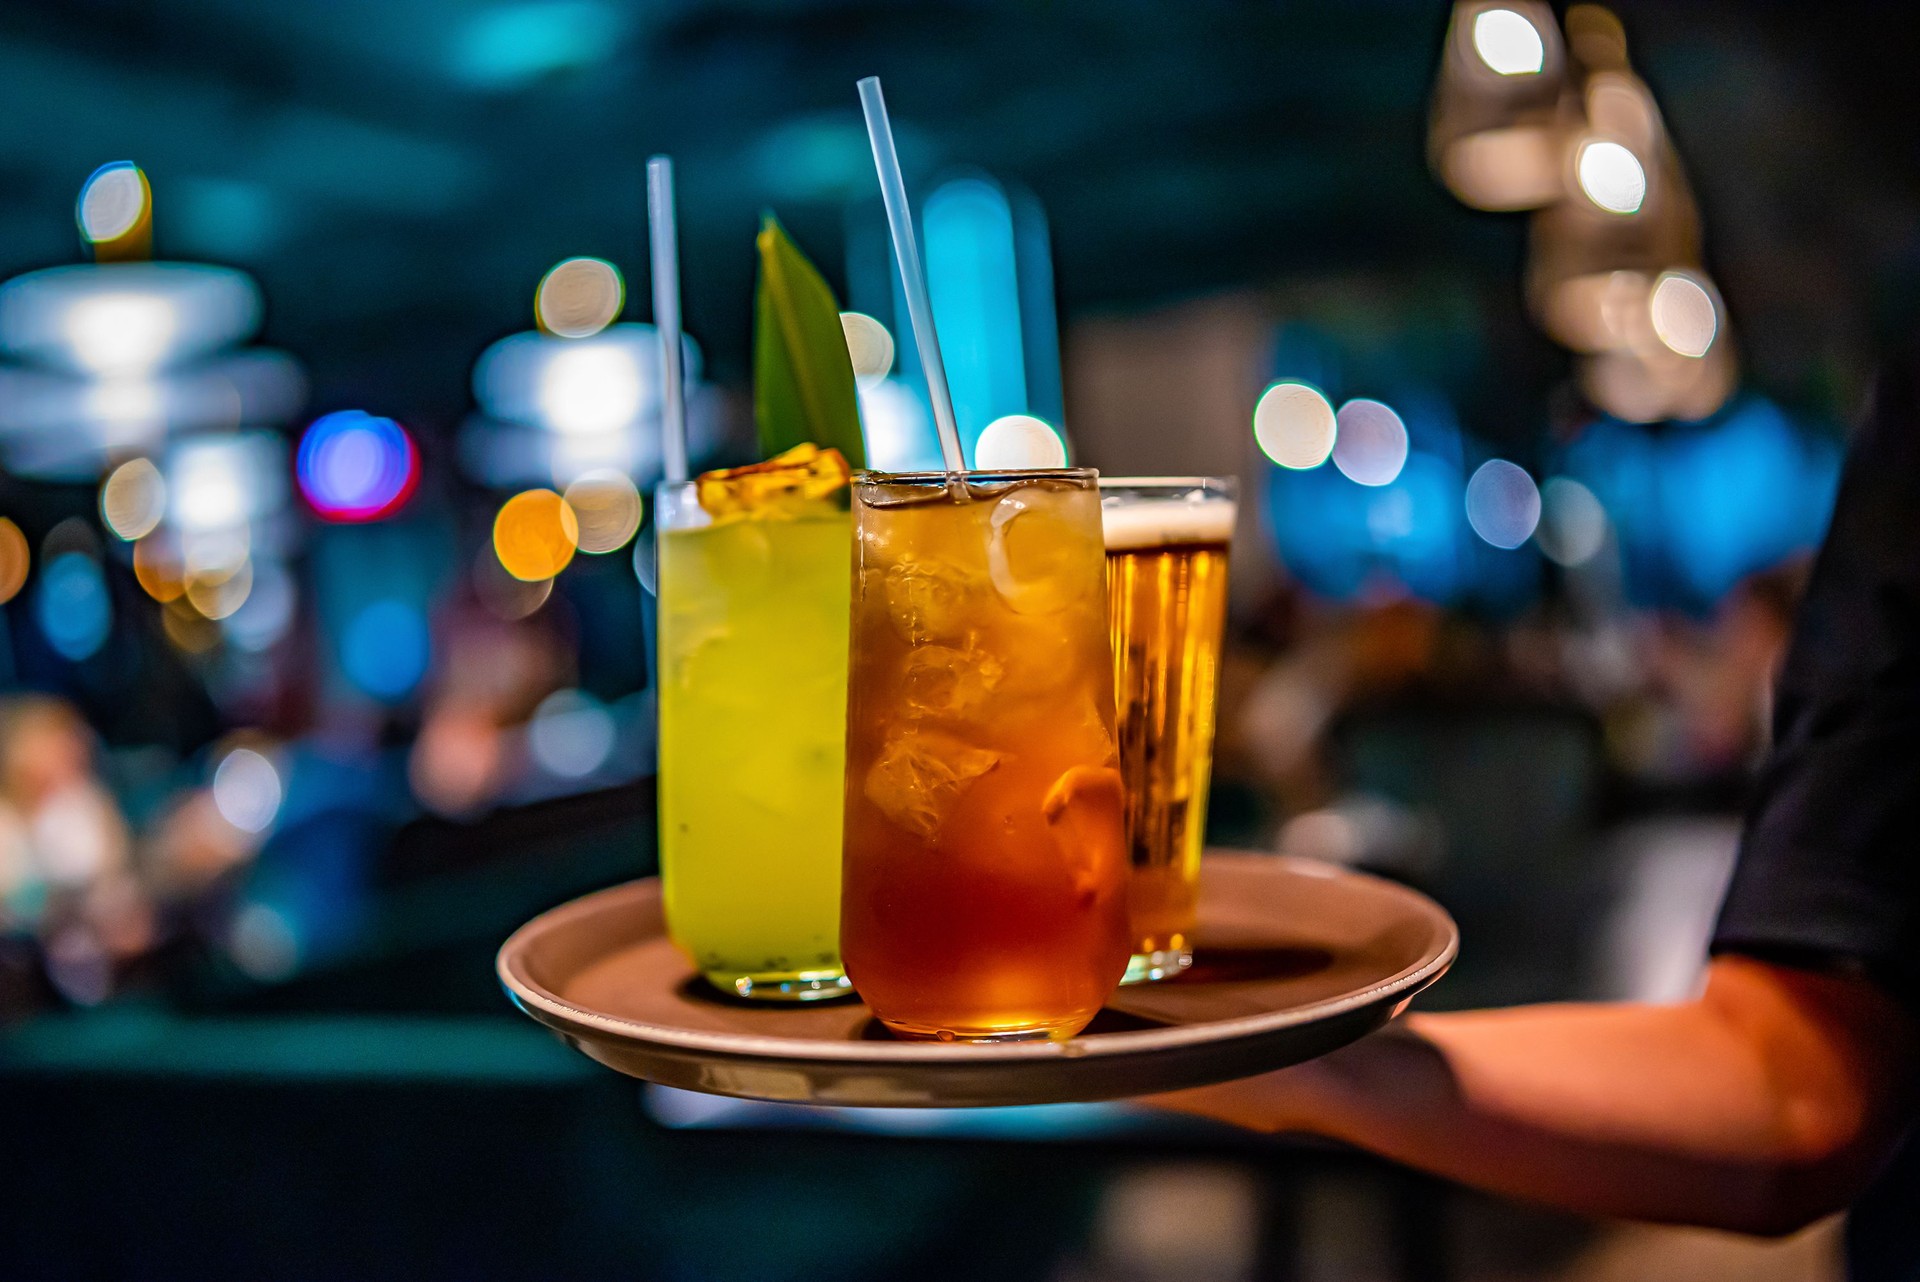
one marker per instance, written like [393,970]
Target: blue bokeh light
[353,466]
[385,648]
[72,606]
[1698,507]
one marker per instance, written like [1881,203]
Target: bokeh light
[113,202]
[1573,524]
[1685,316]
[160,567]
[262,942]
[1508,44]
[898,428]
[268,611]
[1611,176]
[1294,425]
[217,594]
[536,534]
[353,466]
[385,648]
[1018,441]
[214,554]
[1370,446]
[607,507]
[504,596]
[73,609]
[217,484]
[188,629]
[571,734]
[577,385]
[579,298]
[869,346]
[591,388]
[247,790]
[15,560]
[120,333]
[1503,504]
[126,318]
[133,499]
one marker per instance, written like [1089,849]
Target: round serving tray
[1293,959]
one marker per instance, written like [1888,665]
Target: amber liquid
[984,886]
[1167,605]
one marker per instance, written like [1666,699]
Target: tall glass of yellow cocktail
[753,576]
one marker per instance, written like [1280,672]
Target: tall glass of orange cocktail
[984,882]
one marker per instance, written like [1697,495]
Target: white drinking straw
[893,190]
[666,317]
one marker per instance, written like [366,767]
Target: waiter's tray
[1293,959]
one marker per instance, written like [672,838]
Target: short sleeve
[1830,860]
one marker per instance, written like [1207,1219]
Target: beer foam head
[1131,522]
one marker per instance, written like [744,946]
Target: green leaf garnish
[803,386]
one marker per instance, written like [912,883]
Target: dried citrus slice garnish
[803,472]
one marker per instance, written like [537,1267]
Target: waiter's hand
[1764,1104]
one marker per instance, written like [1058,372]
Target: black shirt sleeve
[1830,863]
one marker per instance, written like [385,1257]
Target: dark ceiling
[399,173]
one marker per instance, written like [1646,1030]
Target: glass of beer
[1166,540]
[985,873]
[753,692]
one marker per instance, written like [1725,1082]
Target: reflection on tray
[1240,965]
[689,1110]
[696,988]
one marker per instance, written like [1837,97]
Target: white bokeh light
[1611,177]
[112,202]
[1685,316]
[133,499]
[898,429]
[1508,43]
[869,347]
[1573,524]
[1370,446]
[571,734]
[1503,503]
[247,791]
[1016,442]
[120,333]
[591,388]
[579,297]
[1294,425]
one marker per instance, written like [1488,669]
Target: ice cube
[928,600]
[921,774]
[1040,656]
[1039,558]
[939,681]
[1087,814]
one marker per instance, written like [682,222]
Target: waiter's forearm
[1748,1109]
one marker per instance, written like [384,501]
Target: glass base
[1052,1032]
[783,986]
[1145,968]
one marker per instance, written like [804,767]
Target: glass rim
[1168,482]
[871,476]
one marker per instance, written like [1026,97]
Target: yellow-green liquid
[753,706]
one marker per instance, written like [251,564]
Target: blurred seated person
[1790,1087]
[65,867]
[490,675]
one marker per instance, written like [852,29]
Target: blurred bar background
[328,421]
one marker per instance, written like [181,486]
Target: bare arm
[1762,1105]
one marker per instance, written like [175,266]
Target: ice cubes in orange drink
[984,880]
